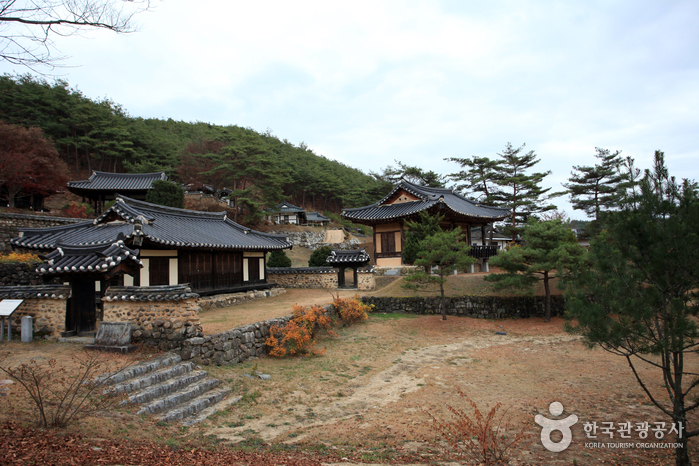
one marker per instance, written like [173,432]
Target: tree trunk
[441,290]
[547,312]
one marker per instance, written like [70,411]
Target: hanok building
[206,250]
[286,213]
[103,186]
[405,202]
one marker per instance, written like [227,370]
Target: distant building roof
[497,236]
[286,208]
[316,217]
[426,199]
[163,226]
[115,182]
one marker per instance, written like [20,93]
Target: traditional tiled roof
[426,199]
[116,182]
[35,291]
[352,256]
[316,217]
[286,208]
[150,293]
[89,259]
[165,226]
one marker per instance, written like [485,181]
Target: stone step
[170,386]
[152,378]
[184,394]
[195,406]
[142,368]
[205,413]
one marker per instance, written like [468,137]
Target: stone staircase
[170,389]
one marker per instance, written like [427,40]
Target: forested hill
[261,169]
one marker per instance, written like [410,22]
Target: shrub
[479,439]
[297,336]
[77,210]
[278,258]
[319,255]
[19,257]
[166,193]
[61,396]
[351,310]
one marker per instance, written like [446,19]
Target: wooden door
[159,271]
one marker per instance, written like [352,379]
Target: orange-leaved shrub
[19,257]
[297,336]
[479,439]
[351,310]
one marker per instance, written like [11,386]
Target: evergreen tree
[446,250]
[278,258]
[637,296]
[477,177]
[166,193]
[319,256]
[550,250]
[415,175]
[418,231]
[596,188]
[520,191]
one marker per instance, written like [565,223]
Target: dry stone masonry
[487,307]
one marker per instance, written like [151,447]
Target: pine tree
[417,231]
[166,193]
[446,250]
[637,295]
[549,250]
[520,191]
[596,188]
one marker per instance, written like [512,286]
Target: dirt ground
[367,398]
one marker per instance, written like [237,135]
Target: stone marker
[27,329]
[392,272]
[114,337]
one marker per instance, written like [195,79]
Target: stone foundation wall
[231,299]
[45,304]
[10,224]
[487,307]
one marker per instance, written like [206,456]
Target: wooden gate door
[83,305]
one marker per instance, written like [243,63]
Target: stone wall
[303,277]
[232,346]
[317,277]
[160,316]
[45,304]
[487,307]
[19,274]
[231,299]
[313,240]
[10,223]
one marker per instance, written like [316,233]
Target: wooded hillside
[260,169]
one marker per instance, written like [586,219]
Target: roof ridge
[136,204]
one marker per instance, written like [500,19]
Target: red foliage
[29,162]
[297,336]
[22,445]
[77,210]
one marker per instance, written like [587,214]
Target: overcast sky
[367,83]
